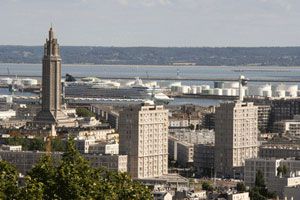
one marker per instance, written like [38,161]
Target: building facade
[144,138]
[25,160]
[236,133]
[204,155]
[51,112]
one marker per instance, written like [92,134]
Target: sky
[162,23]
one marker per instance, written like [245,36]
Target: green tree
[259,180]
[44,172]
[83,112]
[284,170]
[32,190]
[240,187]
[74,178]
[207,186]
[8,181]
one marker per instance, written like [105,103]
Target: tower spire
[51,33]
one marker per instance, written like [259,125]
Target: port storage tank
[199,89]
[234,92]
[280,93]
[265,90]
[29,81]
[227,92]
[217,91]
[175,88]
[184,89]
[193,89]
[231,85]
[208,91]
[219,84]
[292,90]
[205,87]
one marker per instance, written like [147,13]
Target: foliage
[240,187]
[260,191]
[83,112]
[26,143]
[8,181]
[207,186]
[72,178]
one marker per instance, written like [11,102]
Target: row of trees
[35,144]
[72,178]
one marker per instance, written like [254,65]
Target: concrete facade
[25,160]
[51,112]
[236,133]
[204,155]
[144,138]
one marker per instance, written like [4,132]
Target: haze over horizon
[161,23]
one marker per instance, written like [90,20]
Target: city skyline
[179,23]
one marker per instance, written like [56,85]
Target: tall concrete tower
[51,84]
[236,133]
[144,138]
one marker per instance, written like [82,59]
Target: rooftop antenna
[242,83]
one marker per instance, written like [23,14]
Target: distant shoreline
[121,65]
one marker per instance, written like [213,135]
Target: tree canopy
[83,112]
[72,178]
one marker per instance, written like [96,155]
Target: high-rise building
[144,138]
[51,113]
[236,133]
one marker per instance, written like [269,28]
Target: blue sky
[195,23]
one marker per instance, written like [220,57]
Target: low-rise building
[180,151]
[288,127]
[204,159]
[185,153]
[291,192]
[268,167]
[11,147]
[25,160]
[239,196]
[279,151]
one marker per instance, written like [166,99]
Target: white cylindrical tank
[194,89]
[280,93]
[209,91]
[231,85]
[199,89]
[29,81]
[184,89]
[234,92]
[267,93]
[217,91]
[175,88]
[205,87]
[292,90]
[227,92]
[265,90]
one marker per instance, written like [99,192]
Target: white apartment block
[144,138]
[236,132]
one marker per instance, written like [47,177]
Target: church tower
[51,112]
